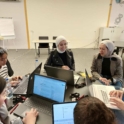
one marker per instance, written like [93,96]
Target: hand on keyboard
[14,83]
[30,117]
[117,102]
[116,93]
[16,78]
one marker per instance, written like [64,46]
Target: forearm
[96,75]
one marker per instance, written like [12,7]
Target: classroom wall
[117,16]
[78,20]
[15,10]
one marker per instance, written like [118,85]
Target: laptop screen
[63,113]
[50,88]
[88,82]
[31,79]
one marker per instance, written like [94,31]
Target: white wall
[78,20]
[117,9]
[15,10]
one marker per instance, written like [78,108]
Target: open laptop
[46,91]
[60,73]
[100,91]
[22,88]
[63,113]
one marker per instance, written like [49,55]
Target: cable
[91,43]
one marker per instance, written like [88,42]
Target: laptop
[22,88]
[100,91]
[46,91]
[63,113]
[60,73]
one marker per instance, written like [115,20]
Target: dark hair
[91,110]
[2,51]
[2,84]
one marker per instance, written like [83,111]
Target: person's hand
[104,80]
[117,102]
[116,93]
[65,67]
[30,117]
[16,78]
[14,83]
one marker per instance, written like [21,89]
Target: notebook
[63,113]
[22,88]
[46,91]
[100,91]
[60,73]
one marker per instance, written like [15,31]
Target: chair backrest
[54,37]
[43,38]
[105,39]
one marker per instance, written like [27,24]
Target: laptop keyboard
[40,104]
[23,87]
[104,96]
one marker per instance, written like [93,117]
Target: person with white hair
[106,66]
[61,57]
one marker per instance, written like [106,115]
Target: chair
[54,45]
[122,52]
[43,45]
[105,39]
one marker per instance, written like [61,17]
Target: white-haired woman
[61,57]
[106,66]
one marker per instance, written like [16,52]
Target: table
[119,45]
[41,41]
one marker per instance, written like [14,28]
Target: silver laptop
[63,113]
[46,91]
[22,88]
[100,91]
[63,74]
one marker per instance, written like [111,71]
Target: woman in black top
[61,57]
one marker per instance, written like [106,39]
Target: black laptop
[22,88]
[63,113]
[46,91]
[63,74]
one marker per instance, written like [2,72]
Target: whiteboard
[7,28]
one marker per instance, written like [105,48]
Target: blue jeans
[119,115]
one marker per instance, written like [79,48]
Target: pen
[11,111]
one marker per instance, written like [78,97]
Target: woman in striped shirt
[4,70]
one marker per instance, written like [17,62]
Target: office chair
[54,44]
[43,45]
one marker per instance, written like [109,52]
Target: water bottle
[9,88]
[36,63]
